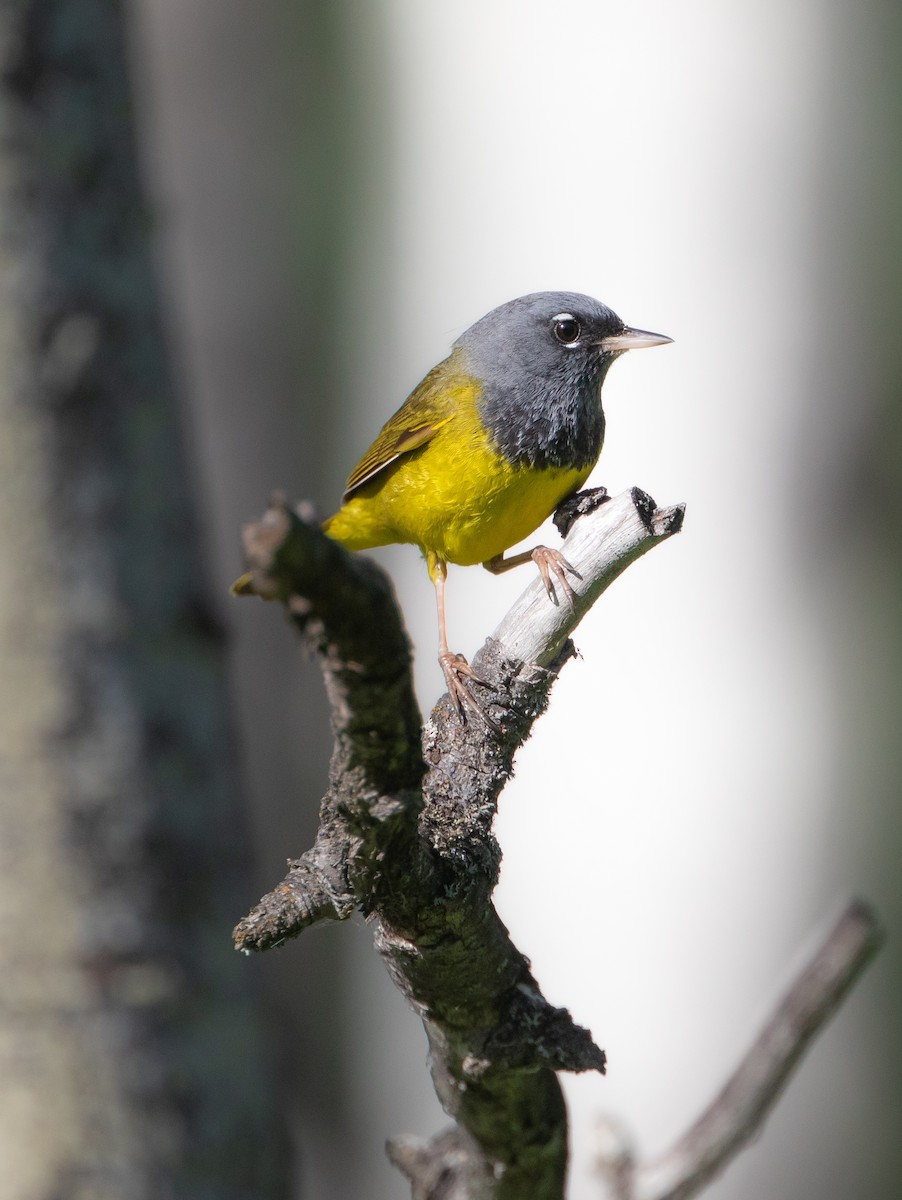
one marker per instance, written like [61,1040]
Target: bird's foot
[459,676]
[553,568]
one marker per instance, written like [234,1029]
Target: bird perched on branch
[488,445]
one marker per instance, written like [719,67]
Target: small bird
[488,446]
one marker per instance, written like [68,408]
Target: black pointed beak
[632,339]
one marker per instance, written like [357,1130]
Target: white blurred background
[341,193]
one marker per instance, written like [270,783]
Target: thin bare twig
[739,1111]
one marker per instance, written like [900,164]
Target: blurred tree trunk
[268,155]
[131,1059]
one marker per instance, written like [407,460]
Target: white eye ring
[566,329]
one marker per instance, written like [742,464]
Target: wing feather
[389,446]
[443,394]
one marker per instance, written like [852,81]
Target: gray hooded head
[542,360]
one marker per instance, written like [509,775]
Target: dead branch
[405,838]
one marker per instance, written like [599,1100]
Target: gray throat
[551,423]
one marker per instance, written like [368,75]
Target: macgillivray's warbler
[489,445]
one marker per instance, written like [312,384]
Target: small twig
[738,1113]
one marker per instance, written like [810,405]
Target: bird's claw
[553,568]
[456,670]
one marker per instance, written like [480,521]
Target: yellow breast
[455,497]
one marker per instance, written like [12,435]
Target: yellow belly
[455,497]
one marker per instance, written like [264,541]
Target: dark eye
[566,329]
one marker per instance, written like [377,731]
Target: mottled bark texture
[406,839]
[131,1058]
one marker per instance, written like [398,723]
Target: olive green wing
[426,410]
[397,438]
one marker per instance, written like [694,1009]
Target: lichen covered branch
[405,838]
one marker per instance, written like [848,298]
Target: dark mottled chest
[557,424]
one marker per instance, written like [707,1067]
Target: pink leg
[455,667]
[553,568]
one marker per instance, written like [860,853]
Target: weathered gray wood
[620,531]
[406,838]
